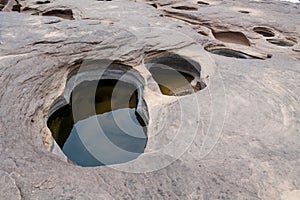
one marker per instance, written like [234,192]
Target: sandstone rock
[236,139]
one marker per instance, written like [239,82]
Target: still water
[171,81]
[100,126]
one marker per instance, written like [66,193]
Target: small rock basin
[176,75]
[100,127]
[172,82]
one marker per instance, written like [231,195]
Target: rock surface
[245,142]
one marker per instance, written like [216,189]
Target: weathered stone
[245,142]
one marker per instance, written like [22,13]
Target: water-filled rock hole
[175,75]
[100,125]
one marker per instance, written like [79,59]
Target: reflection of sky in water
[121,139]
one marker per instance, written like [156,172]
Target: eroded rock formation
[236,138]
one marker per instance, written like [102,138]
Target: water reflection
[100,126]
[107,138]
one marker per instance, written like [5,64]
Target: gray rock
[236,139]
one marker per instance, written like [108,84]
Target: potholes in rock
[176,75]
[269,33]
[190,8]
[282,43]
[264,31]
[104,123]
[232,37]
[62,13]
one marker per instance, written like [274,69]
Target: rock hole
[264,31]
[16,8]
[282,43]
[228,53]
[184,8]
[153,5]
[65,14]
[176,75]
[42,2]
[101,125]
[232,37]
[202,3]
[244,11]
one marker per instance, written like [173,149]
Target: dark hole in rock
[65,14]
[100,127]
[176,83]
[175,75]
[184,8]
[229,53]
[202,3]
[42,2]
[244,11]
[283,43]
[264,31]
[232,37]
[153,5]
[16,8]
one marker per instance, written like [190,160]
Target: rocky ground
[238,138]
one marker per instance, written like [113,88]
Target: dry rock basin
[160,99]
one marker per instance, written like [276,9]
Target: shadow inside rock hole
[281,42]
[227,52]
[188,8]
[62,13]
[202,3]
[244,11]
[107,128]
[264,31]
[42,2]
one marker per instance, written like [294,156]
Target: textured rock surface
[258,152]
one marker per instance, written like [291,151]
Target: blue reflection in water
[109,138]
